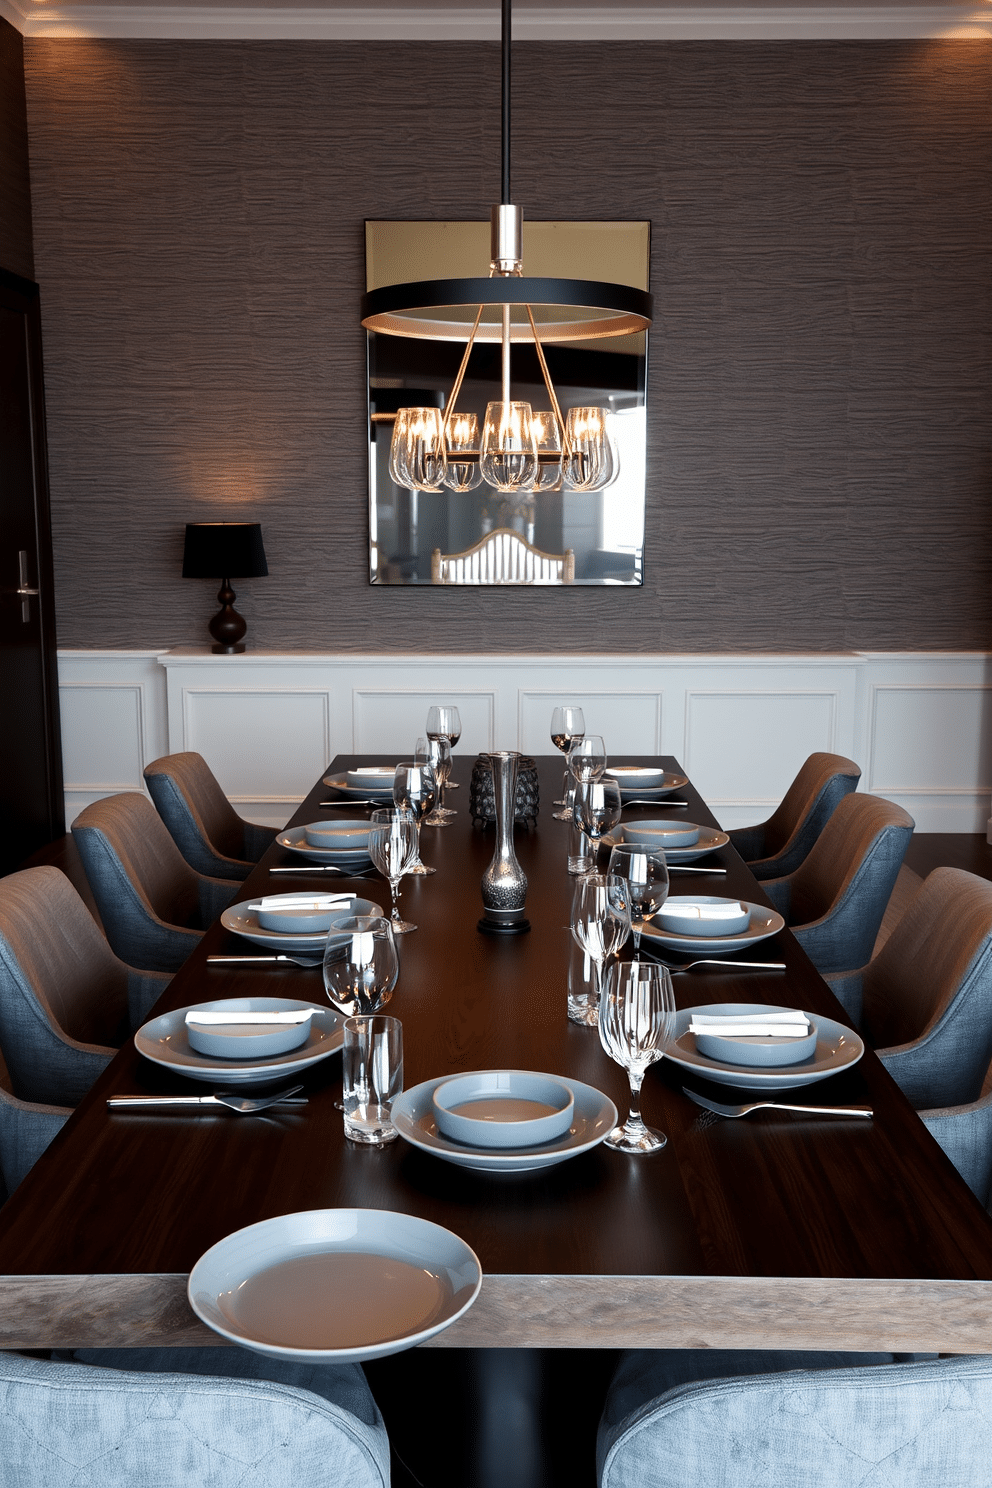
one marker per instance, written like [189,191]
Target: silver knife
[247,960]
[244,1105]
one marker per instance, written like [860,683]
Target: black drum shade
[224,550]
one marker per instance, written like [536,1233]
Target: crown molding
[560,23]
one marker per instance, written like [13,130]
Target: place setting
[338,846]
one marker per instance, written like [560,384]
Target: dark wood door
[32,808]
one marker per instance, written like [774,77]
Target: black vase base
[236,650]
[505,927]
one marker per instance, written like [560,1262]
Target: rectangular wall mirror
[585,537]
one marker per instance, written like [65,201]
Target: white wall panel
[629,722]
[265,745]
[747,746]
[930,738]
[390,721]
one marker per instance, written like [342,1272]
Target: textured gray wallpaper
[820,388]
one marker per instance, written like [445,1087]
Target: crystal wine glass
[444,722]
[646,876]
[567,727]
[392,844]
[415,788]
[600,918]
[596,808]
[636,1026]
[435,754]
[587,758]
[360,964]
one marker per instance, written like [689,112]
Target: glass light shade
[416,455]
[547,437]
[463,434]
[588,462]
[509,449]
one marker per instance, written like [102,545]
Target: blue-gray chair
[778,846]
[702,1419]
[26,1128]
[965,1133]
[66,1002]
[209,833]
[175,1418]
[153,905]
[835,899]
[924,1003]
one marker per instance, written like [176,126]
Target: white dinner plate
[837,1048]
[335,1285]
[594,1117]
[242,919]
[708,841]
[764,922]
[295,839]
[164,1041]
[367,793]
[672,783]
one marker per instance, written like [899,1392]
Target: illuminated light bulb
[463,434]
[509,449]
[416,455]
[588,460]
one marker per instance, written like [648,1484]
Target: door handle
[24,592]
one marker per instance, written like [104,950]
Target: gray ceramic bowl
[676,917]
[660,834]
[634,777]
[489,1108]
[371,777]
[338,834]
[758,1053]
[296,919]
[246,1040]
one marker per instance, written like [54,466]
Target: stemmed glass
[435,754]
[360,964]
[646,876]
[600,919]
[392,844]
[567,727]
[415,788]
[596,808]
[587,758]
[445,723]
[636,1026]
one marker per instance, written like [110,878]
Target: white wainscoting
[919,724]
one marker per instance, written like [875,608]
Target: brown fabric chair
[778,846]
[154,907]
[835,899]
[209,833]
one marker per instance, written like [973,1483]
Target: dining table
[782,1230]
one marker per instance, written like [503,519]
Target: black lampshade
[224,550]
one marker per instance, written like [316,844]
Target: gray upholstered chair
[26,1128]
[66,1002]
[778,846]
[153,905]
[209,833]
[924,1003]
[172,1418]
[704,1419]
[965,1133]
[835,899]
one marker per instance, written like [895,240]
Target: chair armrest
[257,840]
[144,988]
[848,988]
[779,891]
[215,895]
[25,1131]
[965,1134]
[749,841]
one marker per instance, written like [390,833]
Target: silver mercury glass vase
[504,883]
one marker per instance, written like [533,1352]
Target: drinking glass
[392,844]
[436,755]
[415,788]
[371,1078]
[596,808]
[444,722]
[587,758]
[583,986]
[567,727]
[636,1026]
[646,876]
[600,918]
[360,964]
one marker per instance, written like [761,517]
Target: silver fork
[719,1110]
[242,1105]
[674,966]
[325,868]
[662,804]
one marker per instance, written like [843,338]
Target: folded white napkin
[729,911]
[786,1024]
[302,901]
[213,1020]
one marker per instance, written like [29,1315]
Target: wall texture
[16,251]
[820,393]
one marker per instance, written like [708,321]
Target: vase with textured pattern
[504,883]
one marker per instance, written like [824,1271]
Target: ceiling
[475,20]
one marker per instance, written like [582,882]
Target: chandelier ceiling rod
[505,26]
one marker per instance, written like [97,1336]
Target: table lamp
[225,550]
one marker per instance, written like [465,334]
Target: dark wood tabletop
[778,1230]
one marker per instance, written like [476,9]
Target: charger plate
[242,919]
[335,1285]
[837,1048]
[165,1041]
[710,838]
[764,923]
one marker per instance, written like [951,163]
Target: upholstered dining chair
[778,846]
[26,1128]
[709,1419]
[924,1003]
[503,556]
[209,833]
[66,1002]
[171,1418]
[834,901]
[153,905]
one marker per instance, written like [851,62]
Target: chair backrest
[796,823]
[204,825]
[63,992]
[918,1425]
[66,1422]
[503,557]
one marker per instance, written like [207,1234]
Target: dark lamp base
[219,650]
[228,627]
[503,926]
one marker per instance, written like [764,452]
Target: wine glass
[587,758]
[392,844]
[567,726]
[445,723]
[646,876]
[435,754]
[600,918]
[360,964]
[636,1026]
[596,808]
[415,788]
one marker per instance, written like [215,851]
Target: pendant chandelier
[519,449]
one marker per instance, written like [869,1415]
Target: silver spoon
[264,960]
[243,1105]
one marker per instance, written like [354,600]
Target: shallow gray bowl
[660,834]
[673,920]
[338,834]
[246,1040]
[757,1052]
[506,1094]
